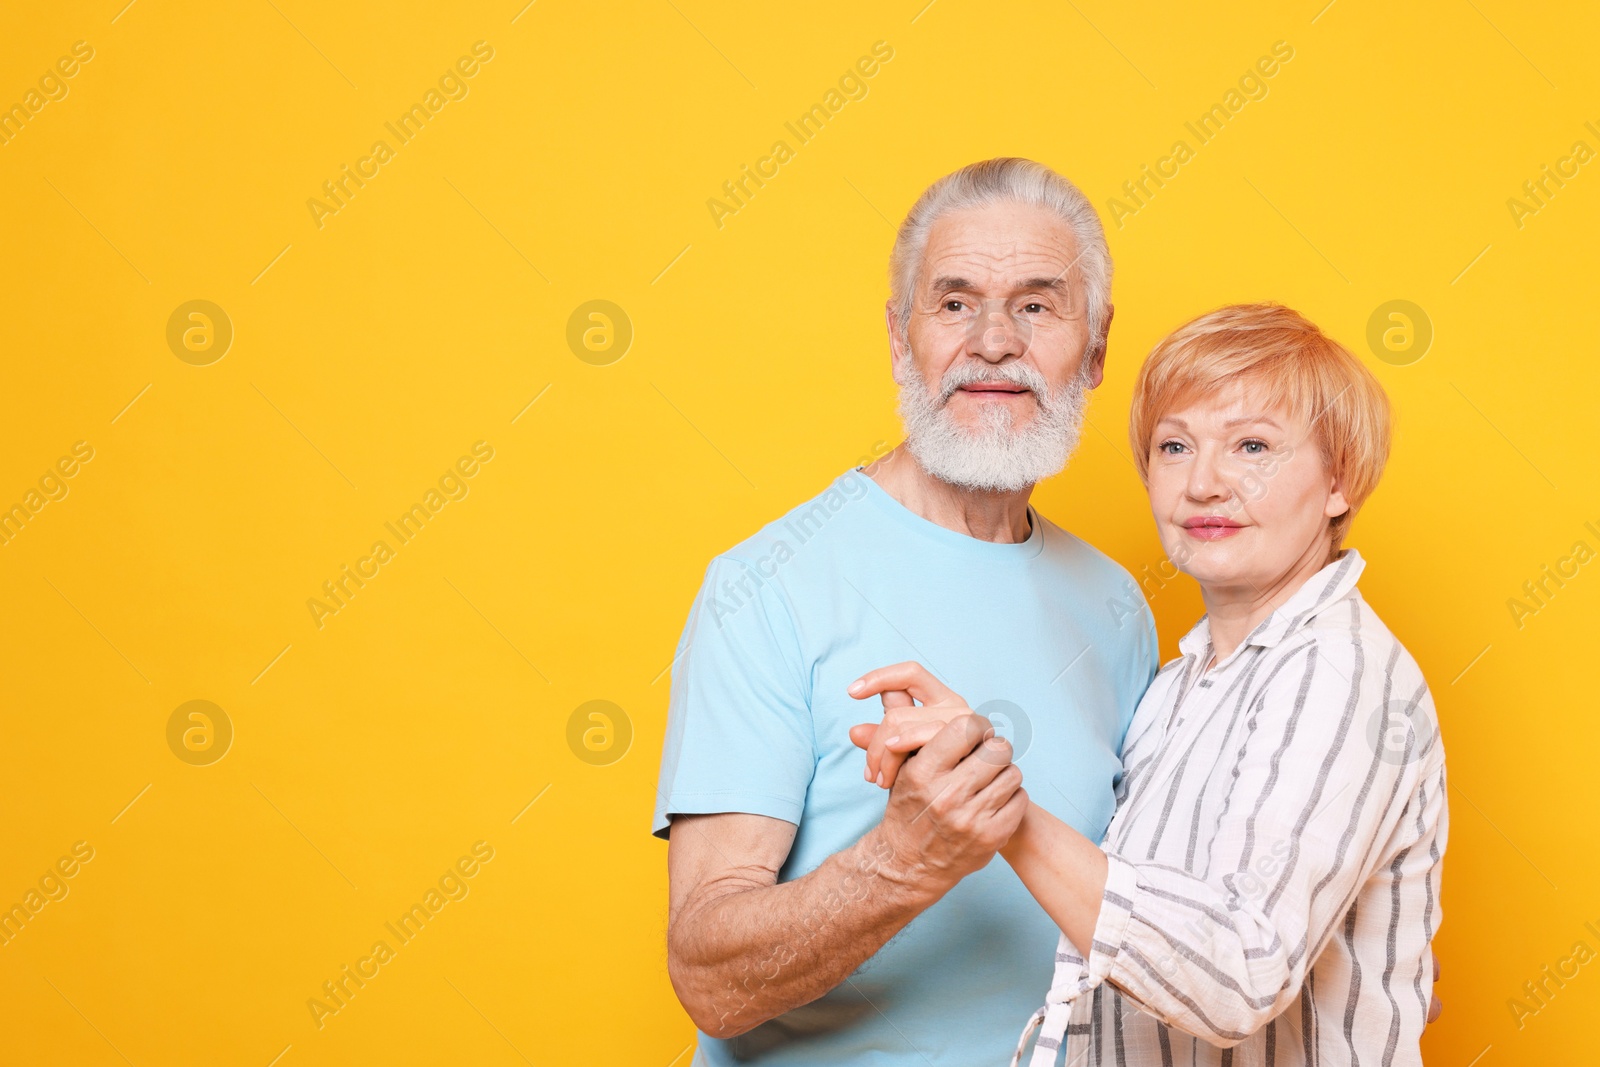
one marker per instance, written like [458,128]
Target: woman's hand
[906,725]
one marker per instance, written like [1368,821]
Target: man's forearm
[747,952]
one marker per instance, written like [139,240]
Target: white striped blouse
[1274,858]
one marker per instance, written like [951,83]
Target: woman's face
[1240,492]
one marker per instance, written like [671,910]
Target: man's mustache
[1011,373]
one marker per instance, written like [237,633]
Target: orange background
[431,712]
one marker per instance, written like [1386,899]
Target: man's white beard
[992,456]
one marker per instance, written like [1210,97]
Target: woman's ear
[1337,505]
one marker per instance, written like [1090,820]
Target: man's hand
[743,948]
[957,802]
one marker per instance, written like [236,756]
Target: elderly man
[814,919]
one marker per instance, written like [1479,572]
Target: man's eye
[953,305]
[1033,307]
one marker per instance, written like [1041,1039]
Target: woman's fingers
[900,687]
[895,698]
[1435,1005]
[889,768]
[914,678]
[897,705]
[910,736]
[898,746]
[869,736]
[900,741]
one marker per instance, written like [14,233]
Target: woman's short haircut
[1282,354]
[1007,179]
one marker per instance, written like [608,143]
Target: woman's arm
[1065,872]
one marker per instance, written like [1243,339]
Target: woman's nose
[1206,481]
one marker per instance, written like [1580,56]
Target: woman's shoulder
[1362,659]
[1349,633]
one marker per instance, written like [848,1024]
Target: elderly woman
[1269,886]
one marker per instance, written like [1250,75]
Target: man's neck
[1001,517]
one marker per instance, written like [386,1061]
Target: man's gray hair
[1006,179]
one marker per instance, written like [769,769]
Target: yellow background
[426,314]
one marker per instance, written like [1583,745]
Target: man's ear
[897,346]
[1097,346]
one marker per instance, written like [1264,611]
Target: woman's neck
[1234,609]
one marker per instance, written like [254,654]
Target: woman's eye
[1170,448]
[1254,448]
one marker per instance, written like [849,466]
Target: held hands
[954,738]
[957,801]
[906,726]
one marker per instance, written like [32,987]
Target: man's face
[992,365]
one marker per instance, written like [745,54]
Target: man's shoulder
[1094,571]
[828,518]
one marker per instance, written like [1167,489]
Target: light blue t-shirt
[1042,636]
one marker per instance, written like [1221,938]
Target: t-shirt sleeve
[739,729]
[1141,654]
[1148,662]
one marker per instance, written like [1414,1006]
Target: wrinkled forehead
[1000,247]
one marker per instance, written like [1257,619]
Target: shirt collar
[1330,584]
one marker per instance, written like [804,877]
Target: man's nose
[996,337]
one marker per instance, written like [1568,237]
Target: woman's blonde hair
[1280,352]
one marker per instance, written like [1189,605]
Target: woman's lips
[1210,527]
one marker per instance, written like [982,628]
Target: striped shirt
[1275,856]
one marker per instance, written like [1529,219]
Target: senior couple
[1234,859]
